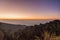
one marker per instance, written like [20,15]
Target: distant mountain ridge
[8,26]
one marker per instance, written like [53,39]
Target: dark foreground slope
[36,32]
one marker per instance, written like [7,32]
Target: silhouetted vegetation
[36,32]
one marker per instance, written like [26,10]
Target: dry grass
[55,38]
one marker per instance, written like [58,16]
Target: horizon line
[29,19]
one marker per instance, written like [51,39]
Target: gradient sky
[30,9]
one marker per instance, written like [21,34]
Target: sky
[30,9]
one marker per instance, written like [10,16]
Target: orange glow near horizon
[26,18]
[15,16]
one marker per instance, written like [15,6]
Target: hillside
[47,31]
